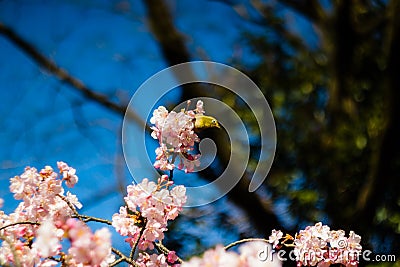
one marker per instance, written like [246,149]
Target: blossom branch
[86,218]
[132,254]
[160,247]
[244,241]
[72,207]
[123,257]
[18,223]
[116,262]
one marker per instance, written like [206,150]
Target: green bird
[205,122]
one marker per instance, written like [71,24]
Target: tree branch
[311,9]
[64,76]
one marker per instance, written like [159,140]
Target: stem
[72,207]
[17,223]
[124,258]
[244,241]
[171,175]
[132,254]
[86,218]
[165,250]
[116,262]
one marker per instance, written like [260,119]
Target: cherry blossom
[149,207]
[32,234]
[152,260]
[275,237]
[87,248]
[47,240]
[69,173]
[175,134]
[318,245]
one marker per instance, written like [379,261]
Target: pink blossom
[171,257]
[45,202]
[48,239]
[152,260]
[149,205]
[159,116]
[175,133]
[42,194]
[125,224]
[69,173]
[318,245]
[199,107]
[275,237]
[88,248]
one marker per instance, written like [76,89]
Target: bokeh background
[329,69]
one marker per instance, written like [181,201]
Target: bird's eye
[213,121]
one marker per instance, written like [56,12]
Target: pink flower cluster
[88,249]
[248,256]
[32,233]
[157,260]
[175,133]
[149,207]
[320,246]
[42,193]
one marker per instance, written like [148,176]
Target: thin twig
[132,254]
[71,206]
[124,258]
[165,250]
[86,218]
[18,223]
[116,262]
[244,241]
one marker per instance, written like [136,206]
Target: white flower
[47,240]
[274,237]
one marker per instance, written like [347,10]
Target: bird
[202,122]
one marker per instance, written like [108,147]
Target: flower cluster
[87,248]
[248,256]
[32,234]
[149,207]
[175,133]
[42,193]
[157,260]
[318,245]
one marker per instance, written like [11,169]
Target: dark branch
[310,9]
[64,76]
